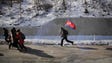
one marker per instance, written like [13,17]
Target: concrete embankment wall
[85,26]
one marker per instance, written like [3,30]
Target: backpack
[65,32]
[23,36]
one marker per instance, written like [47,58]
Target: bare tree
[103,5]
[41,5]
[36,5]
[0,7]
[64,5]
[20,9]
[11,3]
[86,10]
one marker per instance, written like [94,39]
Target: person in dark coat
[6,34]
[8,37]
[64,34]
[15,40]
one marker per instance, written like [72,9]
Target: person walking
[8,37]
[6,34]
[15,40]
[21,37]
[64,34]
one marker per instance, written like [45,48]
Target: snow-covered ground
[79,40]
[75,8]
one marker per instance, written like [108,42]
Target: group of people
[15,38]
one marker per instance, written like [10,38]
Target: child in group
[21,37]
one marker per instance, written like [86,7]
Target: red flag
[70,24]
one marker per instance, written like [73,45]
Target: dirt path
[56,54]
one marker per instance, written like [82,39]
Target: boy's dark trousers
[14,44]
[66,40]
[6,37]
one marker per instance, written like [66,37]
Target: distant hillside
[39,12]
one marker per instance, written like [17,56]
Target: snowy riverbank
[84,40]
